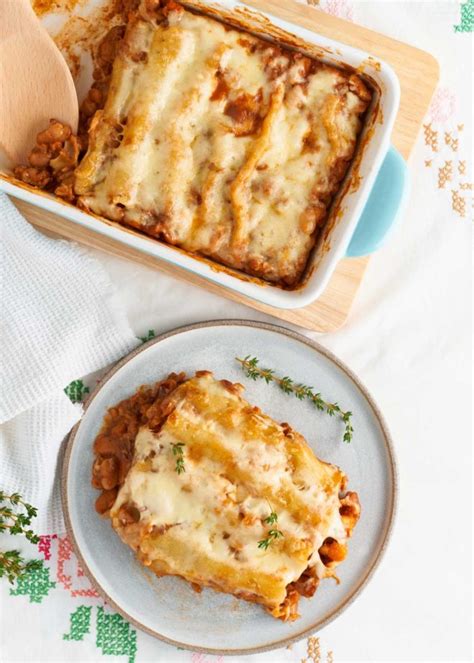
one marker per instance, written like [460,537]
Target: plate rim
[388,526]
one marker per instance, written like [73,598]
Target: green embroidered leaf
[80,621]
[115,636]
[76,391]
[151,334]
[35,584]
[467,17]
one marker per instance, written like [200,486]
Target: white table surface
[408,339]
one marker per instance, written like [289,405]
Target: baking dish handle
[383,207]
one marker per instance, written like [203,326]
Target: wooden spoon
[35,82]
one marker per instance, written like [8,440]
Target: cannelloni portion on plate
[220,142]
[202,485]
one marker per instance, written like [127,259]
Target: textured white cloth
[60,321]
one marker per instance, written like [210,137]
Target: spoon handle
[35,82]
[13,16]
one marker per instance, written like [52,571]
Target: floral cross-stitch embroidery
[69,573]
[76,391]
[35,584]
[115,636]
[80,621]
[313,648]
[151,334]
[467,17]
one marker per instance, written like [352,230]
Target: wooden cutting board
[418,73]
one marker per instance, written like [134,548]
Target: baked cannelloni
[208,138]
[219,142]
[203,485]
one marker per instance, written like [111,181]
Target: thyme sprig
[13,566]
[271,519]
[273,533]
[252,370]
[179,453]
[15,518]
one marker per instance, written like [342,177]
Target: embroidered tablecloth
[407,338]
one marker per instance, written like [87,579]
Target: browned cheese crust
[188,470]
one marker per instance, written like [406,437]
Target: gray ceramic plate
[168,608]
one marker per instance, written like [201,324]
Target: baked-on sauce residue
[42,7]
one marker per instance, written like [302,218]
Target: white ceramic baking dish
[361,216]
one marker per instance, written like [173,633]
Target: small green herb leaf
[178,451]
[271,519]
[275,533]
[271,536]
[272,533]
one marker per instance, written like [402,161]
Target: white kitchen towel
[61,319]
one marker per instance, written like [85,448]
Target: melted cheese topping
[205,523]
[221,143]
